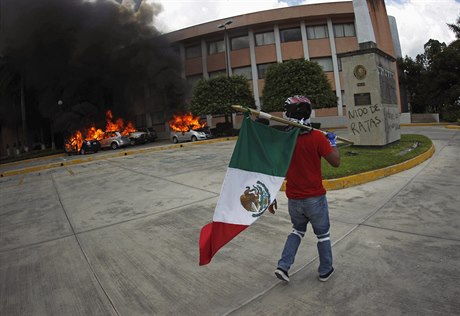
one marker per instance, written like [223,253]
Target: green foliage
[455,28]
[297,77]
[433,78]
[358,159]
[450,113]
[215,95]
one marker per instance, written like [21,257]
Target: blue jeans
[315,211]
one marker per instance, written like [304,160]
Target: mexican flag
[254,176]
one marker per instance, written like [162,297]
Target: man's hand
[273,207]
[332,138]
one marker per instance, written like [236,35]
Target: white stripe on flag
[229,208]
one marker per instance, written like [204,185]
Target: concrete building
[247,44]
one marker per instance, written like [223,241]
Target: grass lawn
[358,159]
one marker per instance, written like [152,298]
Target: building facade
[248,44]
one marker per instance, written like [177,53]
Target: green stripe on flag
[263,149]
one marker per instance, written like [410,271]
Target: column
[335,65]
[255,74]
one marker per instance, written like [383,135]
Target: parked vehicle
[88,146]
[151,133]
[114,140]
[191,136]
[137,138]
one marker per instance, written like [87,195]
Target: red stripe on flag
[214,236]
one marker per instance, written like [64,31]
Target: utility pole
[25,137]
[226,54]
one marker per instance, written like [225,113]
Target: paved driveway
[120,237]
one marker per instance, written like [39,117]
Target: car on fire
[190,136]
[138,137]
[88,146]
[114,140]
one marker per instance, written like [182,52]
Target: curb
[350,181]
[424,124]
[14,163]
[457,127]
[107,156]
[329,184]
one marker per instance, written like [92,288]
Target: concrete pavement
[119,236]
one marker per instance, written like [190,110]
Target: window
[216,47]
[266,38]
[290,35]
[217,73]
[317,31]
[324,62]
[262,70]
[193,80]
[344,30]
[245,71]
[176,49]
[192,52]
[239,42]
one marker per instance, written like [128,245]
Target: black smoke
[93,55]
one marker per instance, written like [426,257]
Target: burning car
[79,146]
[88,146]
[186,128]
[114,136]
[114,140]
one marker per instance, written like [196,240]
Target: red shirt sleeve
[324,147]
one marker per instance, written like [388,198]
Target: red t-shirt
[304,178]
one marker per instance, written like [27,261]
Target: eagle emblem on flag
[255,199]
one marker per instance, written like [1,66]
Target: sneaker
[282,275]
[325,277]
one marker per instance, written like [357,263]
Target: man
[306,195]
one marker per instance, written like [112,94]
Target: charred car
[138,137]
[150,131]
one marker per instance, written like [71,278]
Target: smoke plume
[92,55]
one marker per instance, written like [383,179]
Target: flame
[94,133]
[185,122]
[119,125]
[75,141]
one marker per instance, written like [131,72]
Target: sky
[417,20]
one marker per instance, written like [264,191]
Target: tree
[455,28]
[412,79]
[216,95]
[433,79]
[444,76]
[432,50]
[296,77]
[429,78]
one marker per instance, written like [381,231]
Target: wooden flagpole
[267,116]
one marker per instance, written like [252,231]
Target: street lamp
[224,26]
[53,143]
